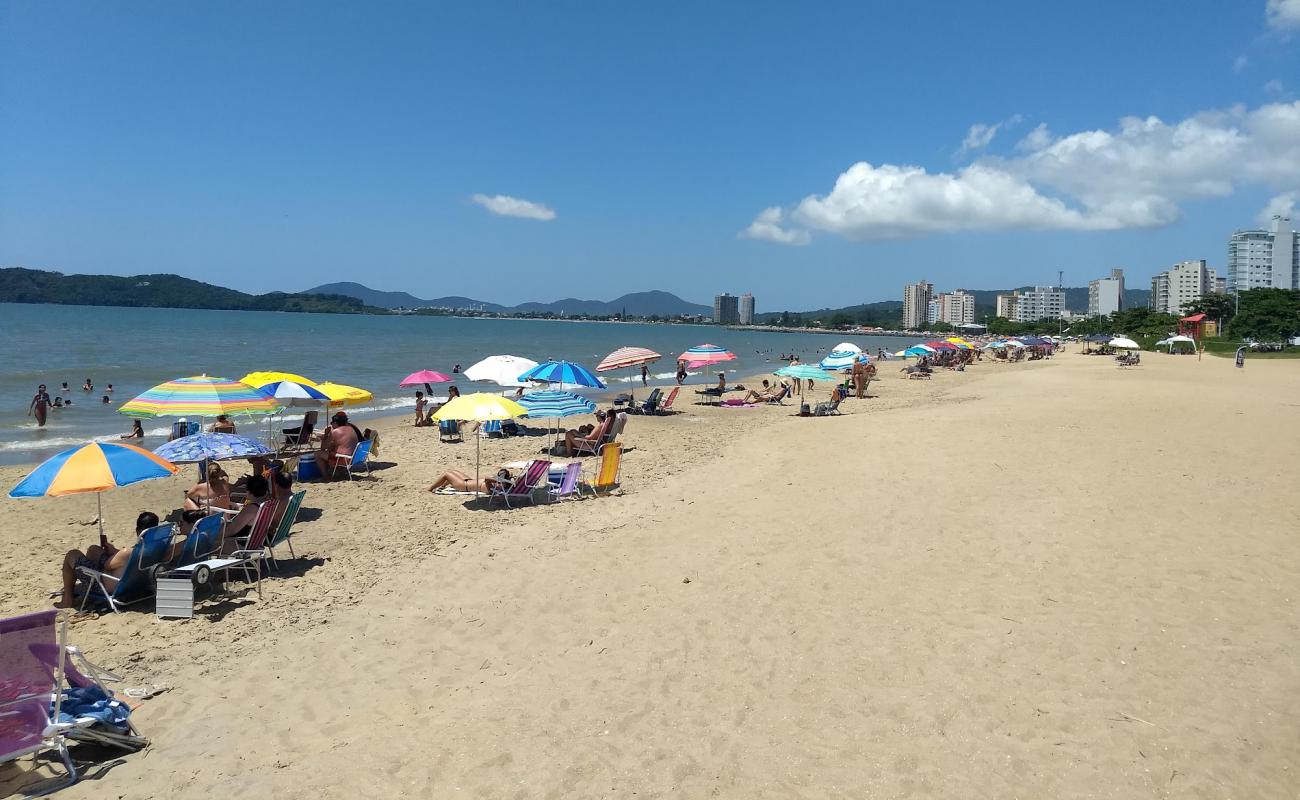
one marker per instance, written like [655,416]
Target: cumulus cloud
[1133,176]
[1281,206]
[768,227]
[981,135]
[507,206]
[1283,14]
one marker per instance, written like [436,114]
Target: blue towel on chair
[93,702]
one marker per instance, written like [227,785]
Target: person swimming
[87,386]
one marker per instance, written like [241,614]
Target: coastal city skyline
[446,151]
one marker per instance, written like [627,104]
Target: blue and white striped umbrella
[565,373]
[807,372]
[211,447]
[292,393]
[551,404]
[843,359]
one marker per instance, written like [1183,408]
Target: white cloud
[507,206]
[1275,86]
[1036,139]
[1281,206]
[1240,64]
[1283,14]
[768,227]
[981,134]
[1134,176]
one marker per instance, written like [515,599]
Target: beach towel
[737,404]
[94,703]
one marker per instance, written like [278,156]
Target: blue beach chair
[449,431]
[137,581]
[203,541]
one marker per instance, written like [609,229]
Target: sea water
[137,348]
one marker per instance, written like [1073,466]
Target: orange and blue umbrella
[95,467]
[200,396]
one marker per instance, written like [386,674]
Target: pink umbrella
[424,376]
[702,355]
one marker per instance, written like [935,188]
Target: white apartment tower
[1265,258]
[1175,289]
[916,304]
[934,309]
[1007,304]
[747,309]
[1106,295]
[1041,302]
[957,308]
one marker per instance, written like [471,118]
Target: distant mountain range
[637,304]
[19,285]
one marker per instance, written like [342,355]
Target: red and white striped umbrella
[625,357]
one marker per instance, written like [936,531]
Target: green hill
[19,285]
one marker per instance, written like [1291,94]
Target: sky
[816,155]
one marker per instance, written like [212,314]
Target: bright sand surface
[1050,579]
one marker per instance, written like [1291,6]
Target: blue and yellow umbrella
[95,467]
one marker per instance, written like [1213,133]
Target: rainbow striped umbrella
[702,355]
[199,396]
[625,357]
[94,467]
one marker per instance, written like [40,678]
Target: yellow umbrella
[260,379]
[344,395]
[479,407]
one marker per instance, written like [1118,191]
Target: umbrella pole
[477,478]
[99,512]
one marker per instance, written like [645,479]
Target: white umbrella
[1187,339]
[846,347]
[501,370]
[1121,343]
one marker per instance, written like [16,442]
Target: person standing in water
[645,375]
[40,406]
[87,386]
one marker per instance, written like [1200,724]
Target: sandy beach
[1047,579]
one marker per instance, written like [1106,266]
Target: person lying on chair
[461,482]
[102,557]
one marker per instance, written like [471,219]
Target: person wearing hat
[340,438]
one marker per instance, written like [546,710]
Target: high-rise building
[1007,305]
[1041,302]
[957,308]
[1106,295]
[726,309]
[1175,289]
[933,309]
[1264,258]
[747,309]
[916,304]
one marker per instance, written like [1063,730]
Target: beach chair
[607,477]
[568,484]
[829,408]
[449,431]
[490,428]
[360,458]
[600,436]
[300,439]
[204,540]
[248,558]
[284,531]
[37,710]
[778,398]
[522,487]
[667,404]
[649,405]
[148,557]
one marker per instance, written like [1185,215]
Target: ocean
[137,348]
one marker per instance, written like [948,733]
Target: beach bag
[804,410]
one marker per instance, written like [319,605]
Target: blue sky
[529,151]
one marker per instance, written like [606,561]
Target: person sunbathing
[461,482]
[202,497]
[767,395]
[339,440]
[223,425]
[102,557]
[241,525]
[578,440]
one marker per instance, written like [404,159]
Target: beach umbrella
[211,447]
[94,467]
[259,379]
[941,345]
[1122,343]
[479,407]
[294,394]
[702,355]
[563,372]
[626,358]
[917,351]
[501,370]
[425,377]
[340,394]
[843,359]
[807,372]
[553,404]
[199,396]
